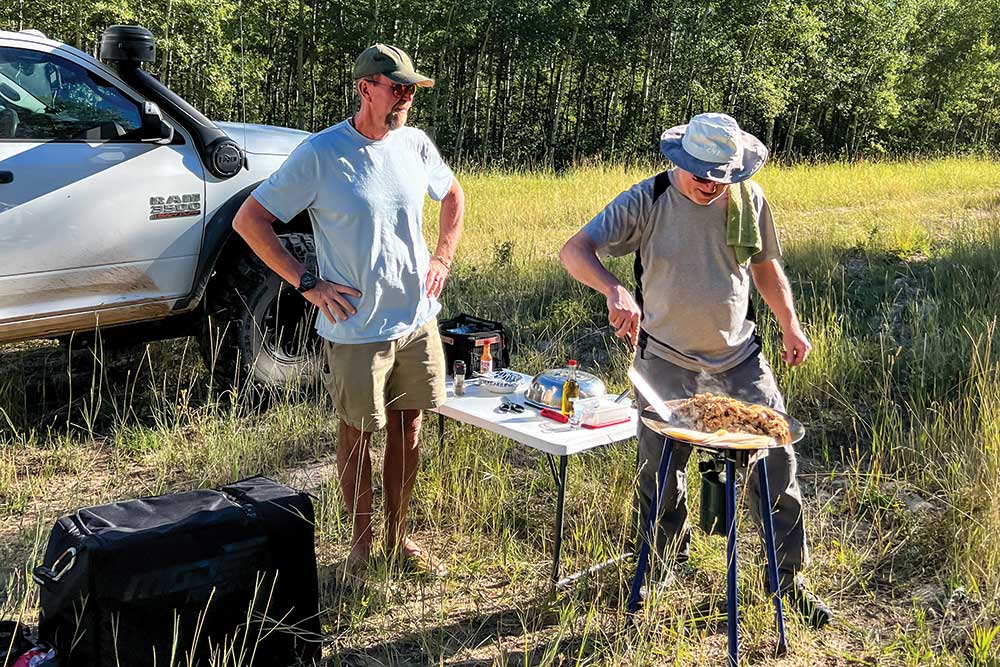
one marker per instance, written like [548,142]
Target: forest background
[526,84]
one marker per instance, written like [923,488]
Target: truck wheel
[257,328]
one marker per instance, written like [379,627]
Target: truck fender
[218,231]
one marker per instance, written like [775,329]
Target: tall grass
[896,273]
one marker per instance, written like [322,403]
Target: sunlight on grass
[896,270]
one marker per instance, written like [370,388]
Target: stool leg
[731,591]
[771,552]
[648,533]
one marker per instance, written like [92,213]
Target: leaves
[524,83]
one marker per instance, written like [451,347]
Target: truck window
[46,98]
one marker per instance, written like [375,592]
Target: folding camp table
[481,407]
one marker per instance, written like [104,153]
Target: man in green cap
[362,183]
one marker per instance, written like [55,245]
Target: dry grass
[896,272]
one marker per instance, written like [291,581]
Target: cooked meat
[710,413]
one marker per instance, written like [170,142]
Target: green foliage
[895,270]
[568,81]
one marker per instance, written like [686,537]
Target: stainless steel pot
[546,387]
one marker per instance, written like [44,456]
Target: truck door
[91,218]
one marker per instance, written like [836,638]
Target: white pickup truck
[116,207]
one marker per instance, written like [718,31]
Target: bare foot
[418,560]
[356,566]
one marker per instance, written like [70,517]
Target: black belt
[644,338]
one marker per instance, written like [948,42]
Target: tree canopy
[556,82]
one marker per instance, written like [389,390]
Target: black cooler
[156,580]
[463,337]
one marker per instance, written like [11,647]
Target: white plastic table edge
[479,407]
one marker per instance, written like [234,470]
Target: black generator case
[463,338]
[163,579]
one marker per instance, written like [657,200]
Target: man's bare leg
[402,456]
[354,467]
[399,472]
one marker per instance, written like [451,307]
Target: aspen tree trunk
[580,90]
[312,69]
[300,84]
[790,137]
[555,100]
[166,40]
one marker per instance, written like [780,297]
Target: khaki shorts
[367,379]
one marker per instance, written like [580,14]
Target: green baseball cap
[390,61]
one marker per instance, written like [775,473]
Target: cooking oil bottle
[570,390]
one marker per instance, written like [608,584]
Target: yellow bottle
[571,390]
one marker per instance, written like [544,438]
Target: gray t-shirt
[365,199]
[695,295]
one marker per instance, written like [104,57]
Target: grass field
[896,270]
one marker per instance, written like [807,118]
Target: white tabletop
[479,407]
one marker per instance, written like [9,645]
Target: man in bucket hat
[700,232]
[362,183]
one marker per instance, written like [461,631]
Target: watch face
[307,282]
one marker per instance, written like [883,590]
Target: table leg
[771,552]
[649,529]
[560,513]
[731,591]
[559,475]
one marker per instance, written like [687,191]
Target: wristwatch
[306,282]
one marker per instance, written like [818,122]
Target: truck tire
[259,329]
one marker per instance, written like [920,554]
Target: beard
[395,120]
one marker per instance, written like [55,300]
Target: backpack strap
[660,184]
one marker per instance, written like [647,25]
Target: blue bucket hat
[713,146]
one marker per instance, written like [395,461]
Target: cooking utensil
[648,393]
[545,390]
[507,405]
[622,395]
[554,415]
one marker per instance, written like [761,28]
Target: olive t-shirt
[695,295]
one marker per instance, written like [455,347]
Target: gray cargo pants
[751,381]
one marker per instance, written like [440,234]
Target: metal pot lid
[546,387]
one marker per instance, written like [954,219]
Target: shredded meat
[710,413]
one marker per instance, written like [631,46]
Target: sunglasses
[398,89]
[703,181]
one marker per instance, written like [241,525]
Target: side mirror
[154,128]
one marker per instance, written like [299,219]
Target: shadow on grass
[471,632]
[51,388]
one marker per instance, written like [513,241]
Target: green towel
[742,230]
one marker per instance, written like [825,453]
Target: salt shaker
[459,375]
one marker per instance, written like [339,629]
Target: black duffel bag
[178,578]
